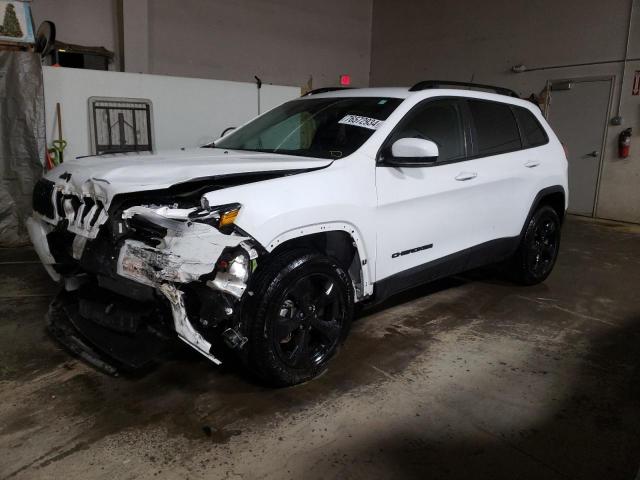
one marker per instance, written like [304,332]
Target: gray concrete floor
[471,377]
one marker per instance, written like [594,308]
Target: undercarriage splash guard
[104,348]
[61,328]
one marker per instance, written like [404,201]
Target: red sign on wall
[636,84]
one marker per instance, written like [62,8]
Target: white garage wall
[481,41]
[282,41]
[187,112]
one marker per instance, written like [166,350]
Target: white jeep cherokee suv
[261,243]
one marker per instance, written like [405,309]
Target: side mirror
[412,152]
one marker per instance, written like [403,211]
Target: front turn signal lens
[228,217]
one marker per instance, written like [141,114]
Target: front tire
[536,256]
[298,316]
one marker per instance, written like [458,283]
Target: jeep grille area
[83,214]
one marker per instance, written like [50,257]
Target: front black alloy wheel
[309,321]
[301,309]
[538,251]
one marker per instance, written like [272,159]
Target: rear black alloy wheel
[543,247]
[302,309]
[538,251]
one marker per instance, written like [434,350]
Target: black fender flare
[538,198]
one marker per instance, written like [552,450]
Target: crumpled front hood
[108,175]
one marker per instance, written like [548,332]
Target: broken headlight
[222,217]
[232,273]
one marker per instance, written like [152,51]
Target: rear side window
[439,121]
[533,134]
[496,130]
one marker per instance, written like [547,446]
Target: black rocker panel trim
[476,256]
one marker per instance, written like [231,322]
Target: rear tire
[297,316]
[534,260]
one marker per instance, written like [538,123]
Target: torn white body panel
[182,325]
[164,211]
[234,280]
[187,251]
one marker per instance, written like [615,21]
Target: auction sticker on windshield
[358,121]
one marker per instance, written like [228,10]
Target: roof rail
[427,84]
[323,90]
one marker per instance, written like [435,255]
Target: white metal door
[424,212]
[578,113]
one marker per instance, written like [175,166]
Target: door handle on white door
[462,176]
[532,163]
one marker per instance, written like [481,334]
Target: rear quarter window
[495,127]
[533,135]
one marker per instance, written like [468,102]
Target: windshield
[320,127]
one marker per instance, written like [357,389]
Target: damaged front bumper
[189,252]
[200,271]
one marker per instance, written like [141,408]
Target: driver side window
[439,121]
